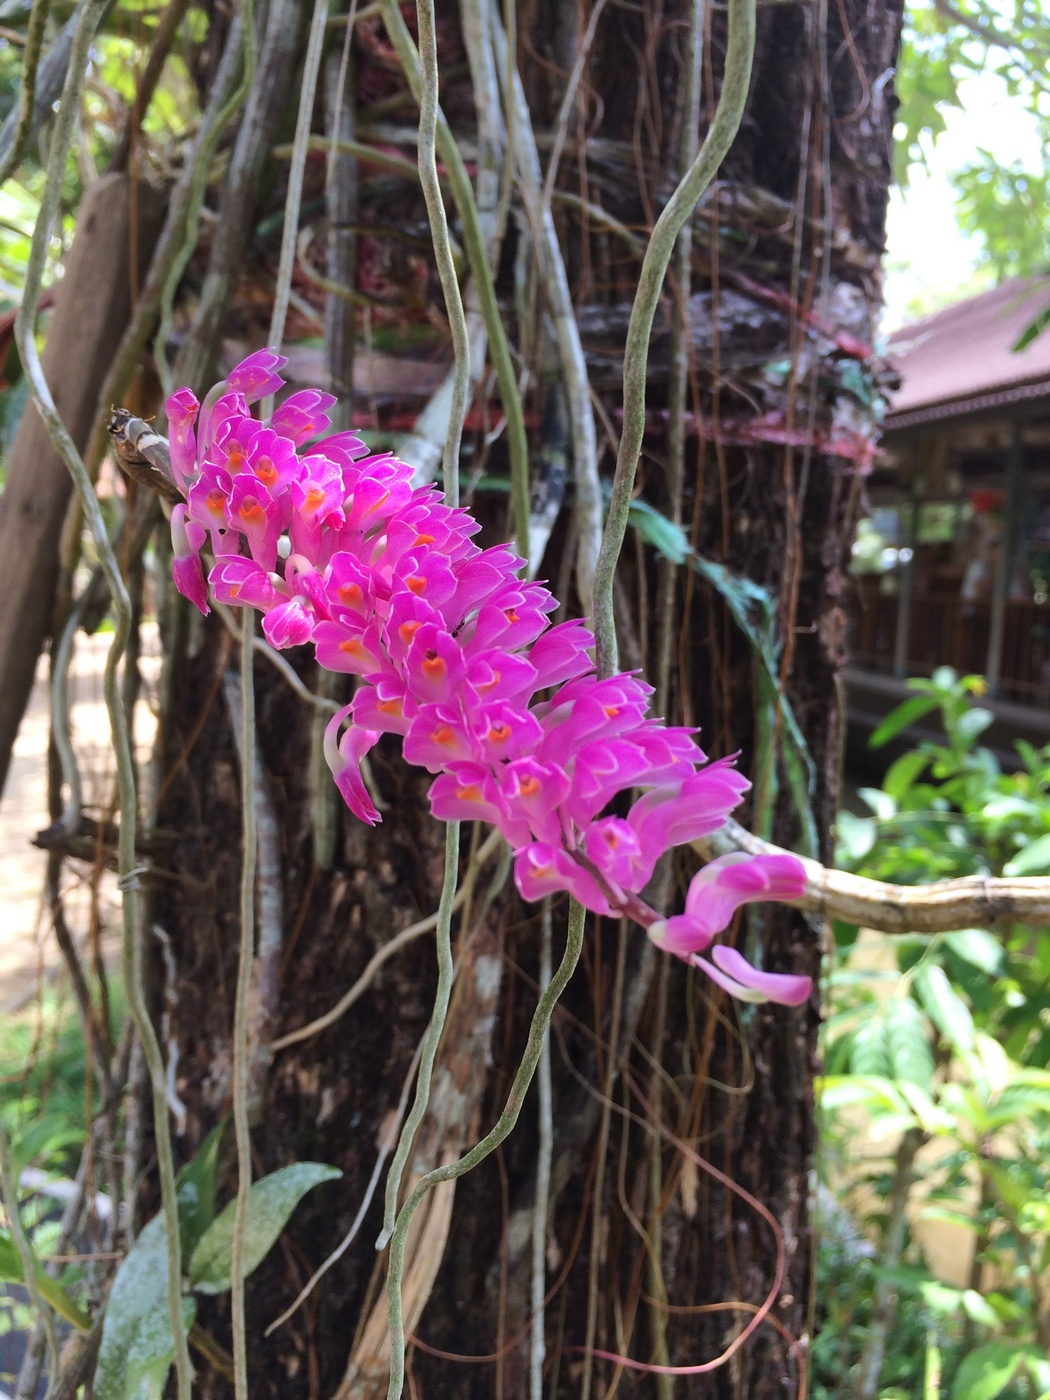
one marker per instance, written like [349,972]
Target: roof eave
[964,407]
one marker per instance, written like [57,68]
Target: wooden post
[1007,552]
[910,530]
[92,309]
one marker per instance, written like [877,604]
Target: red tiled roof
[961,360]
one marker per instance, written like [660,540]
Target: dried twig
[477,257]
[974,900]
[555,285]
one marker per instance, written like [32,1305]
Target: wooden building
[953,563]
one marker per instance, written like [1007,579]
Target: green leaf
[898,719]
[978,947]
[979,1309]
[50,1290]
[42,1138]
[664,535]
[881,803]
[973,722]
[903,772]
[870,1053]
[270,1204]
[907,1039]
[1033,859]
[945,1008]
[152,1352]
[138,1295]
[986,1372]
[855,837]
[196,1188]
[1032,331]
[845,934]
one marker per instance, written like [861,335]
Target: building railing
[947,630]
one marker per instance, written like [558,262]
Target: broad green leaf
[1033,859]
[903,772]
[889,1109]
[973,722]
[196,1186]
[908,1043]
[986,1372]
[1039,1366]
[979,1309]
[139,1293]
[50,1289]
[664,535]
[870,1053]
[845,934]
[899,719]
[994,1062]
[945,1007]
[272,1200]
[930,1118]
[855,836]
[46,1135]
[940,1297]
[1009,805]
[152,1353]
[881,803]
[978,947]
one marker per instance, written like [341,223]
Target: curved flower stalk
[335,547]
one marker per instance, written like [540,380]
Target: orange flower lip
[314,497]
[499,733]
[408,629]
[250,511]
[444,734]
[511,615]
[434,665]
[215,502]
[352,646]
[377,503]
[529,787]
[611,711]
[418,584]
[350,592]
[471,792]
[424,539]
[266,471]
[389,707]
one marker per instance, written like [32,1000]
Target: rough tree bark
[788,242]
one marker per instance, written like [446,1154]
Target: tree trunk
[92,310]
[785,291]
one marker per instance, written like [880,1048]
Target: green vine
[720,136]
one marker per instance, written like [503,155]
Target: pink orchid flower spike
[456,655]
